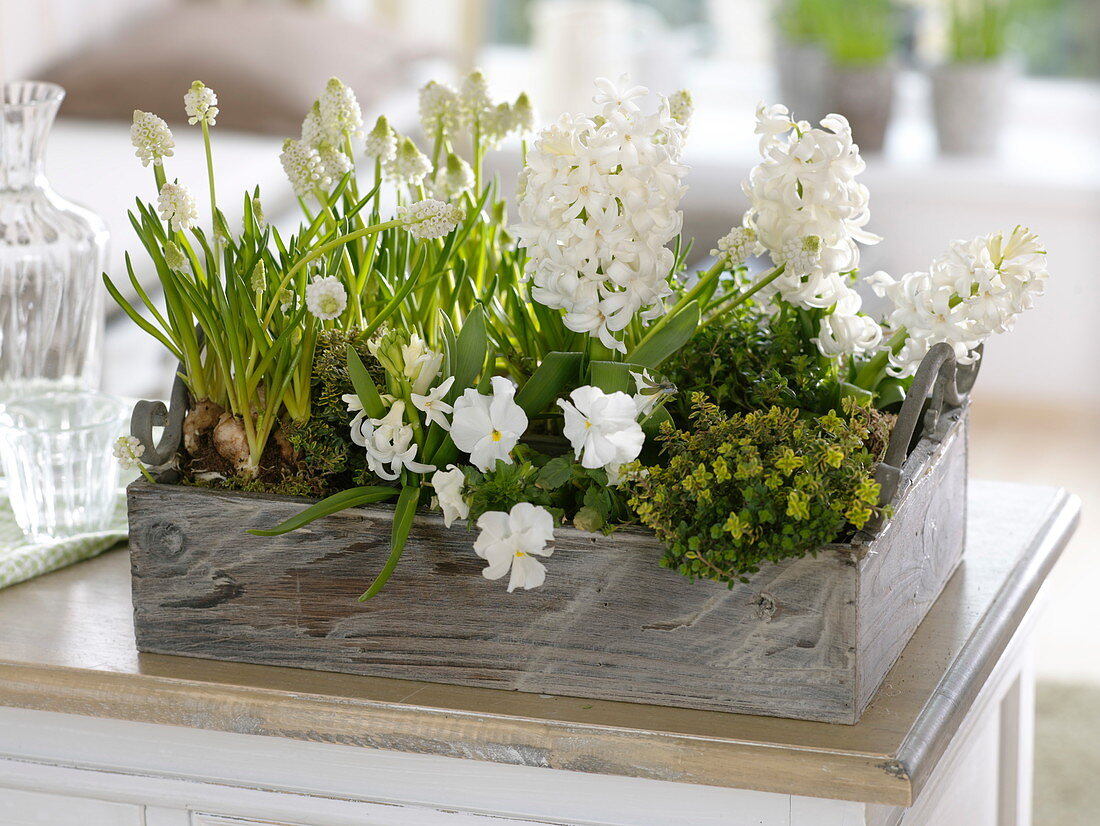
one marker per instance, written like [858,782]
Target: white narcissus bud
[151,138]
[201,104]
[177,206]
[430,218]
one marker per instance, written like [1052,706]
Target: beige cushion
[266,63]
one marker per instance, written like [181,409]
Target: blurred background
[974,116]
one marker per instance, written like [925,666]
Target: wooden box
[809,638]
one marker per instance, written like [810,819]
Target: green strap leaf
[557,371]
[364,386]
[403,517]
[352,498]
[470,348]
[612,376]
[670,338]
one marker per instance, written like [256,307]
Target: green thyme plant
[737,490]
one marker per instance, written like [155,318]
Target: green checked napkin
[21,559]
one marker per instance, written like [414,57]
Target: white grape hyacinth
[128,450]
[430,218]
[303,167]
[389,444]
[448,485]
[488,427]
[340,116]
[440,109]
[510,541]
[408,166]
[151,137]
[326,298]
[975,290]
[381,142]
[737,246]
[598,202]
[200,104]
[602,428]
[177,206]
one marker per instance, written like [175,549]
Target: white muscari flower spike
[177,206]
[801,255]
[737,246]
[151,138]
[474,100]
[440,108]
[174,257]
[523,114]
[381,142]
[258,214]
[497,122]
[453,178]
[340,115]
[335,162]
[488,427]
[313,134]
[259,277]
[389,444]
[128,450]
[602,427]
[326,298]
[200,104]
[448,485]
[409,164]
[304,167]
[430,218]
[510,541]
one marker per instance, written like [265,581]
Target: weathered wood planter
[809,638]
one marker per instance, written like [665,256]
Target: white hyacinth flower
[326,298]
[432,405]
[303,166]
[381,142]
[389,444]
[737,246]
[602,427]
[340,114]
[419,363]
[409,165]
[448,485]
[510,541]
[200,104]
[681,107]
[355,405]
[151,138]
[430,218]
[128,450]
[488,427]
[177,206]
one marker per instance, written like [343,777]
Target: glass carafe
[52,253]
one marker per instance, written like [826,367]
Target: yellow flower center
[497,436]
[520,553]
[587,424]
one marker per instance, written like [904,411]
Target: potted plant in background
[801,60]
[860,37]
[970,88]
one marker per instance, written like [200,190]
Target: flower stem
[210,178]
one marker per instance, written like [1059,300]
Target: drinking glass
[56,449]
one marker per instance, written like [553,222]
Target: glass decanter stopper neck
[27,111]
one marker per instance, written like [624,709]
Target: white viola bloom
[408,166]
[389,444]
[598,202]
[510,541]
[488,427]
[303,167]
[452,178]
[128,450]
[200,104]
[737,246]
[177,206]
[448,485]
[326,298]
[432,404]
[602,427]
[381,142]
[430,218]
[440,109]
[355,405]
[419,363]
[340,115]
[975,290]
[151,138]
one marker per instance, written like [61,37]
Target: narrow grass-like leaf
[403,517]
[351,498]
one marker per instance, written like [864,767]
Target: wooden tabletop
[67,645]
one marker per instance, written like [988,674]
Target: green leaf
[651,424]
[611,376]
[364,386]
[557,371]
[403,517]
[890,392]
[470,347]
[555,473]
[450,343]
[352,498]
[858,393]
[676,332]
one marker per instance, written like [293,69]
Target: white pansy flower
[177,206]
[339,112]
[488,427]
[737,246]
[430,218]
[510,541]
[326,298]
[200,104]
[440,108]
[448,485]
[408,166]
[303,166]
[151,138]
[452,178]
[602,427]
[389,444]
[432,404]
[128,450]
[381,142]
[598,202]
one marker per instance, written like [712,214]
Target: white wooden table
[94,734]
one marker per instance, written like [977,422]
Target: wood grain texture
[609,623]
[68,646]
